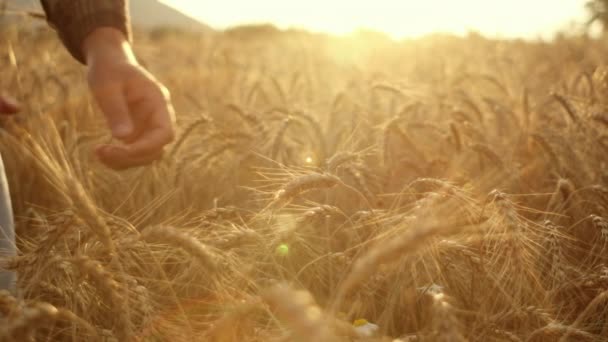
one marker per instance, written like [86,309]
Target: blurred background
[398,19]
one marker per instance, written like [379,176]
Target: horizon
[398,19]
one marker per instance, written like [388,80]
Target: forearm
[75,20]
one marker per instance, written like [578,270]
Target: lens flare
[282,250]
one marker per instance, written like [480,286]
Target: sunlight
[398,18]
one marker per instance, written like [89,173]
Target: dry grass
[445,189]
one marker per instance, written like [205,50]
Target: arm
[136,106]
[74,20]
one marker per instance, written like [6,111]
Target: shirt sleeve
[74,20]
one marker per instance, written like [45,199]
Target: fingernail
[11,101]
[121,131]
[101,149]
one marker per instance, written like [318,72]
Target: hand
[136,106]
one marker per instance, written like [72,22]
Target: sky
[398,18]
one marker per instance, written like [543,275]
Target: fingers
[120,158]
[114,105]
[147,147]
[8,105]
[151,141]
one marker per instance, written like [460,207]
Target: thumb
[113,104]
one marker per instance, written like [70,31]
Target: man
[136,106]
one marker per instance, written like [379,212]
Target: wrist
[106,43]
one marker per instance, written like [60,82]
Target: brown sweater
[75,19]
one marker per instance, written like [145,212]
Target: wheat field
[443,189]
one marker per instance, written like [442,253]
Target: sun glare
[398,18]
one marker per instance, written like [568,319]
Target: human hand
[136,106]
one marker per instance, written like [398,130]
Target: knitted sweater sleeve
[74,20]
